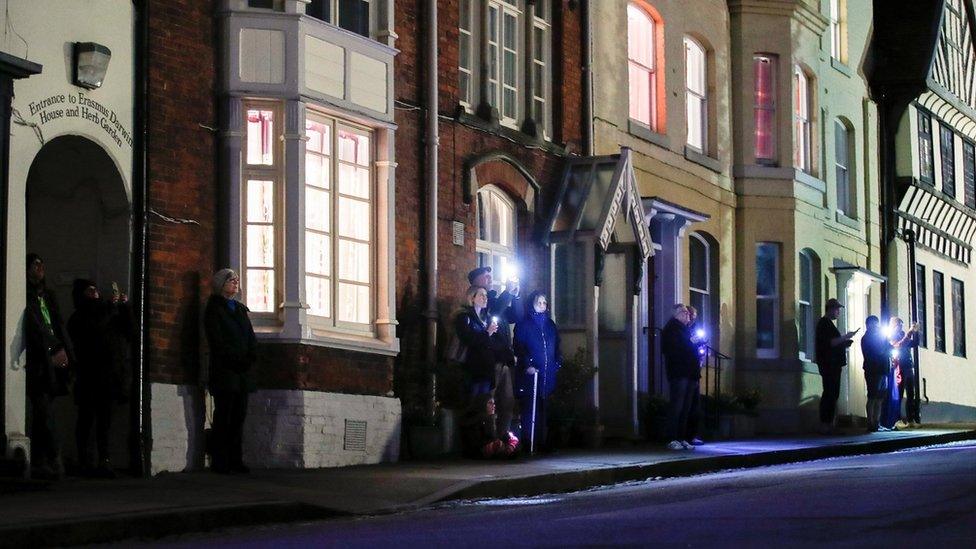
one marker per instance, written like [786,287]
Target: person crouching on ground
[233,352]
[537,360]
[96,328]
[681,366]
[485,365]
[877,352]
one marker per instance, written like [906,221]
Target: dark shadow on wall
[192,394]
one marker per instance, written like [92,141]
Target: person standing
[233,352]
[537,359]
[48,351]
[506,305]
[903,344]
[700,338]
[486,370]
[876,352]
[96,328]
[831,348]
[681,365]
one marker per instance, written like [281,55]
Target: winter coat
[42,341]
[507,307]
[876,351]
[484,351]
[233,347]
[905,358]
[537,346]
[680,353]
[97,328]
[828,356]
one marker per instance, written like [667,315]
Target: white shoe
[687,445]
[676,445]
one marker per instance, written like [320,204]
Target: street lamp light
[90,64]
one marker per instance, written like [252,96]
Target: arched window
[802,140]
[843,173]
[496,231]
[642,61]
[808,303]
[696,95]
[699,279]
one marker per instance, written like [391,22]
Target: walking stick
[535,389]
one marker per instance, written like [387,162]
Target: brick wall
[460,142]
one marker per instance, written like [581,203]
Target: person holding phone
[904,344]
[486,365]
[831,349]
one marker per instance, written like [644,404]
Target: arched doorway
[79,220]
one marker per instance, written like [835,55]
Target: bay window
[926,171]
[764,69]
[262,191]
[801,121]
[642,63]
[696,103]
[352,15]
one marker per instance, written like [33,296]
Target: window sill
[842,218]
[811,181]
[495,127]
[362,344]
[702,159]
[841,67]
[638,129]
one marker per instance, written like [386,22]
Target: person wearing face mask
[233,352]
[97,328]
[537,360]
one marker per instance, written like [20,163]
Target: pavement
[78,511]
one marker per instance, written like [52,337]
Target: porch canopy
[597,199]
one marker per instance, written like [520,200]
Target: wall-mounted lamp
[91,64]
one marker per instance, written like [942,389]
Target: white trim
[775,298]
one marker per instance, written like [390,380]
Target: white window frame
[843,172]
[807,297]
[772,352]
[334,17]
[640,69]
[802,127]
[770,107]
[696,94]
[542,90]
[332,322]
[496,60]
[489,198]
[466,63]
[836,18]
[274,173]
[705,313]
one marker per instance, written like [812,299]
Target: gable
[955,57]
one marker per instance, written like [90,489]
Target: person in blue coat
[537,354]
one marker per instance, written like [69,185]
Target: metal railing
[714,360]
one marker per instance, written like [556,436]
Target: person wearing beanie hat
[233,352]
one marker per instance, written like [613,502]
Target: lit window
[947,150]
[842,167]
[338,223]
[958,318]
[767,300]
[836,17]
[496,231]
[352,15]
[764,67]
[801,120]
[504,45]
[696,103]
[641,52]
[700,279]
[925,163]
[261,182]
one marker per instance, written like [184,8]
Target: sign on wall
[78,105]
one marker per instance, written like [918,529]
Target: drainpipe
[588,145]
[431,140]
[141,433]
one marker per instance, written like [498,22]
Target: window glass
[938,296]
[969,173]
[465,54]
[764,67]
[354,16]
[260,137]
[958,318]
[921,300]
[496,239]
[642,74]
[947,148]
[926,170]
[767,298]
[695,97]
[842,171]
[569,262]
[801,120]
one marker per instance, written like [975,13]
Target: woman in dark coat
[233,351]
[97,328]
[486,370]
[537,353]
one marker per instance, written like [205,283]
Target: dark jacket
[233,347]
[537,346]
[905,351]
[680,354]
[829,356]
[97,328]
[505,306]
[876,351]
[484,351]
[42,341]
